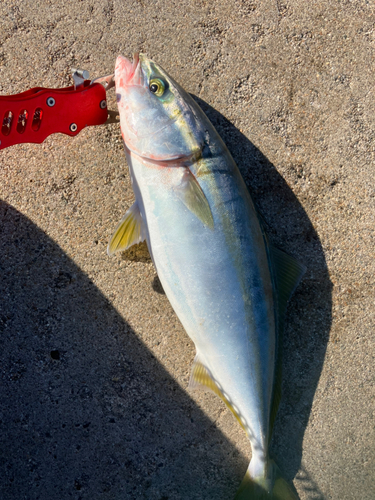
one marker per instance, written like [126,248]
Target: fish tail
[268,486]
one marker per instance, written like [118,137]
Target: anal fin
[202,377]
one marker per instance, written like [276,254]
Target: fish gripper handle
[33,115]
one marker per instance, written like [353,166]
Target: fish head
[159,120]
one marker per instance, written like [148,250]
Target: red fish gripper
[33,115]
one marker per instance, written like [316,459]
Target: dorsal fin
[130,230]
[202,377]
[286,275]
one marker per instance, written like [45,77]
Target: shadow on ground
[86,411]
[309,312]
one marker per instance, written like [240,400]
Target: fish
[227,283]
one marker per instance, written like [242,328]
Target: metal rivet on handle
[103,104]
[73,127]
[50,102]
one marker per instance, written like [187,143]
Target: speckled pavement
[94,363]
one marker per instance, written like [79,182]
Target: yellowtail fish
[227,284]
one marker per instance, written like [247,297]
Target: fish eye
[157,87]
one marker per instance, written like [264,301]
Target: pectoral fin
[131,230]
[201,377]
[192,196]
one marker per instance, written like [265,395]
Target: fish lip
[135,63]
[130,67]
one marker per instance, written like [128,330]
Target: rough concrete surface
[94,363]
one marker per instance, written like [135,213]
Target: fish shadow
[87,412]
[309,314]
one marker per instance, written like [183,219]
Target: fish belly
[217,280]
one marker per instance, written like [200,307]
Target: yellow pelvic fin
[201,377]
[130,230]
[192,196]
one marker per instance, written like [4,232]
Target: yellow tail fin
[254,489]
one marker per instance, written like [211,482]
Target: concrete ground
[94,363]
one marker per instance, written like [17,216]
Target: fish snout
[127,72]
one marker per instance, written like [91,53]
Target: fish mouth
[126,71]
